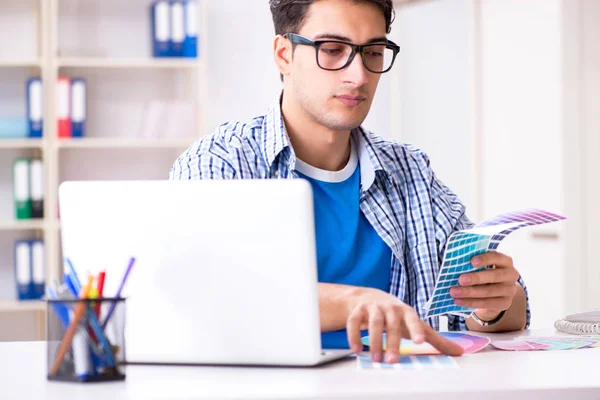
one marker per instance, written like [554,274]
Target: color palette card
[410,363]
[463,245]
[564,342]
[518,345]
[529,343]
[470,344]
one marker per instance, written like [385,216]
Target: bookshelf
[108,43]
[22,144]
[131,63]
[121,143]
[8,226]
[18,63]
[16,306]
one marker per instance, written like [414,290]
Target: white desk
[490,374]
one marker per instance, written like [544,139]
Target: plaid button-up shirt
[409,207]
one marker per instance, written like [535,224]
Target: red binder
[63,107]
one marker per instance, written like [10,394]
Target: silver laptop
[225,271]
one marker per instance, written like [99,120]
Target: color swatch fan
[469,343]
[529,343]
[462,246]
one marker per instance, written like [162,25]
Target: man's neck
[314,144]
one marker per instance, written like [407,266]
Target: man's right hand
[378,311]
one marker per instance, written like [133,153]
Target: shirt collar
[369,160]
[276,142]
[275,138]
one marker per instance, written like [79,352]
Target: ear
[282,54]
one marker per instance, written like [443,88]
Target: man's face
[338,100]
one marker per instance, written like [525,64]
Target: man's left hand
[489,291]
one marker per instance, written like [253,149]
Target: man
[382,217]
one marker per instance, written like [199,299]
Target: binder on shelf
[23,269]
[177,37]
[38,270]
[160,28]
[63,107]
[78,107]
[21,191]
[190,44]
[14,128]
[36,188]
[35,108]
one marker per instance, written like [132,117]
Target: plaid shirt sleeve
[450,212]
[206,159]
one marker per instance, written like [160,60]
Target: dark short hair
[288,15]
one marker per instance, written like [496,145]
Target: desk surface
[495,374]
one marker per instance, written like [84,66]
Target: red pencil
[101,277]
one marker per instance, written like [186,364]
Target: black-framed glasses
[335,55]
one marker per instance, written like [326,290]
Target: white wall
[521,104]
[244,81]
[12,21]
[591,128]
[431,88]
[522,138]
[513,116]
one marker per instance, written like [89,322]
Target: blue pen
[61,310]
[74,277]
[64,294]
[69,282]
[104,344]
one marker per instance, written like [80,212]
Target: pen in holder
[86,339]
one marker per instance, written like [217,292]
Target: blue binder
[38,270]
[78,107]
[35,108]
[160,28]
[23,272]
[190,44]
[177,34]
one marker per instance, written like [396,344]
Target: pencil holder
[86,340]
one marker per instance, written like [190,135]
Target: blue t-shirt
[349,250]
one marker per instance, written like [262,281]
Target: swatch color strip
[410,363]
[462,246]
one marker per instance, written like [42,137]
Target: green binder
[21,191]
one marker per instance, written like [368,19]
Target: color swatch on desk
[469,343]
[518,345]
[410,363]
[462,246]
[529,343]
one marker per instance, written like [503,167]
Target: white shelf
[22,225]
[128,91]
[19,306]
[20,63]
[21,143]
[124,143]
[133,63]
